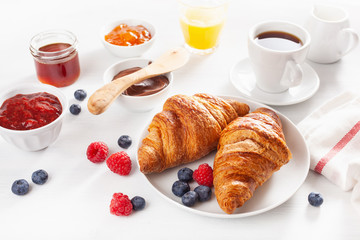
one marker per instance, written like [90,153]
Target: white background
[74,203]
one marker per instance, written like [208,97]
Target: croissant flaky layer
[187,129]
[250,150]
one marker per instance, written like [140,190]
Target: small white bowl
[137,103]
[128,51]
[39,138]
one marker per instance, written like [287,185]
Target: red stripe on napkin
[337,148]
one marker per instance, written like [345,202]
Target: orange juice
[201,37]
[201,22]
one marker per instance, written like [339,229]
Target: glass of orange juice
[201,23]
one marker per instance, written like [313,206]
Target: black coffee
[279,41]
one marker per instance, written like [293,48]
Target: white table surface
[74,203]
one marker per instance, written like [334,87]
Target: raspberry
[204,175]
[97,152]
[119,163]
[120,205]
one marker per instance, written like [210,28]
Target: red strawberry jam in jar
[29,111]
[56,57]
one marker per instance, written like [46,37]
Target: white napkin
[332,133]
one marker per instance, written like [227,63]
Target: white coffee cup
[277,69]
[331,37]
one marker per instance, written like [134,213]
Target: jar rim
[69,37]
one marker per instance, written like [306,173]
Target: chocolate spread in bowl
[146,87]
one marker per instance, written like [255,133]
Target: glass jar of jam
[56,57]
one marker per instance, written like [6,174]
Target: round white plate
[279,188]
[243,79]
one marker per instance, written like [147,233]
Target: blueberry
[315,199]
[20,187]
[80,94]
[204,193]
[39,177]
[75,109]
[185,174]
[124,141]
[189,199]
[179,188]
[138,203]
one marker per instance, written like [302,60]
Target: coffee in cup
[276,51]
[278,41]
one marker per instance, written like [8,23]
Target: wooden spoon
[101,99]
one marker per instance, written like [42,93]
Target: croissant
[187,129]
[250,150]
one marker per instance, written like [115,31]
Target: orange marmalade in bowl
[125,35]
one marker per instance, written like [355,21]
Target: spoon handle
[102,98]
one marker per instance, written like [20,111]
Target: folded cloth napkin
[332,133]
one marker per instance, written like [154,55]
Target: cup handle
[353,42]
[292,75]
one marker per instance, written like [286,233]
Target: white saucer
[243,79]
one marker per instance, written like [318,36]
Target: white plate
[243,79]
[279,188]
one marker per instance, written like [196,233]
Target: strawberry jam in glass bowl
[31,115]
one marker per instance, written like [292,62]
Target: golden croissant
[187,129]
[250,150]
